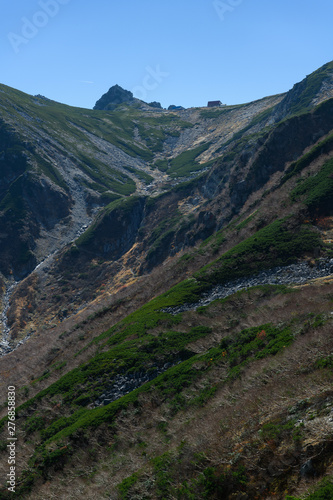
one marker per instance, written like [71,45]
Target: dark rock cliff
[114,231]
[30,204]
[312,90]
[27,201]
[115,95]
[234,181]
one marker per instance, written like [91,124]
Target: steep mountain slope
[224,154]
[138,380]
[80,160]
[74,161]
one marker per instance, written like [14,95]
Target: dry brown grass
[227,428]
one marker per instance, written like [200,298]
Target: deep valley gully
[5,344]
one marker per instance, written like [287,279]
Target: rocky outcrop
[284,144]
[114,231]
[116,95]
[155,104]
[31,203]
[124,384]
[294,274]
[234,180]
[13,157]
[56,203]
[315,88]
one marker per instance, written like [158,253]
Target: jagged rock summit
[115,95]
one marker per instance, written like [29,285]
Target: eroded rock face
[13,160]
[32,204]
[312,90]
[236,180]
[115,231]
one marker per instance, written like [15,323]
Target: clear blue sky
[182,52]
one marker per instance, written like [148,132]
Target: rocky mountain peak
[114,96]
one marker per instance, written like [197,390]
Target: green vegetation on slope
[183,164]
[324,491]
[13,160]
[277,244]
[323,147]
[235,352]
[146,178]
[150,337]
[317,191]
[272,244]
[120,207]
[133,345]
[76,130]
[216,113]
[175,386]
[312,86]
[12,205]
